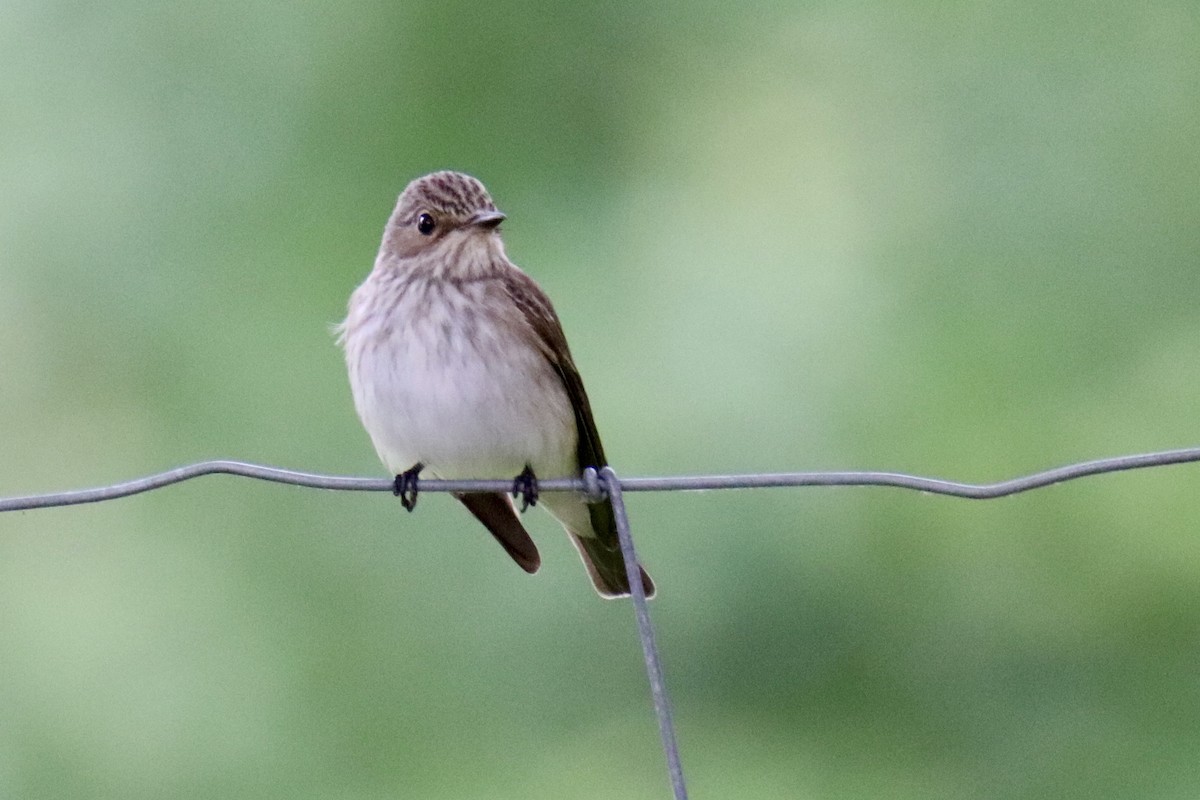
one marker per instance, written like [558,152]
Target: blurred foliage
[957,240]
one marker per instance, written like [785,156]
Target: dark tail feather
[606,568]
[497,514]
[602,555]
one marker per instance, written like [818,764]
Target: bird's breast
[449,375]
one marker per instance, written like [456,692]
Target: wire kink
[608,484]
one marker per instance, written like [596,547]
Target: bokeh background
[962,241]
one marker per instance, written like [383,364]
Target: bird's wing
[543,322]
[601,552]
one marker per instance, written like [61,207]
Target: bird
[459,368]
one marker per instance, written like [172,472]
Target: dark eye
[426,224]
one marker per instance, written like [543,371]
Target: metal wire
[658,685]
[608,485]
[975,491]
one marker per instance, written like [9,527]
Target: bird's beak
[486,219]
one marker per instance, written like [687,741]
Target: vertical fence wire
[658,686]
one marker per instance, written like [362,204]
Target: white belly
[458,391]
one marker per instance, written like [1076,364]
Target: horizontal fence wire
[607,485]
[592,486]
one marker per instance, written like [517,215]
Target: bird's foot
[525,486]
[406,486]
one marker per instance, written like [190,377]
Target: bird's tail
[606,568]
[497,514]
[593,530]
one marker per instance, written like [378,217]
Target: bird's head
[444,218]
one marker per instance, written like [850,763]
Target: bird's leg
[405,486]
[525,486]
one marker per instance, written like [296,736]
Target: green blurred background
[957,240]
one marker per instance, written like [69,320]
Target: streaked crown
[443,222]
[451,193]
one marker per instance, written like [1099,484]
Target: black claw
[525,486]
[406,486]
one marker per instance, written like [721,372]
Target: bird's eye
[426,224]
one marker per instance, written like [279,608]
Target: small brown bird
[460,369]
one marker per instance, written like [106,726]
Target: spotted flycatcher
[460,369]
